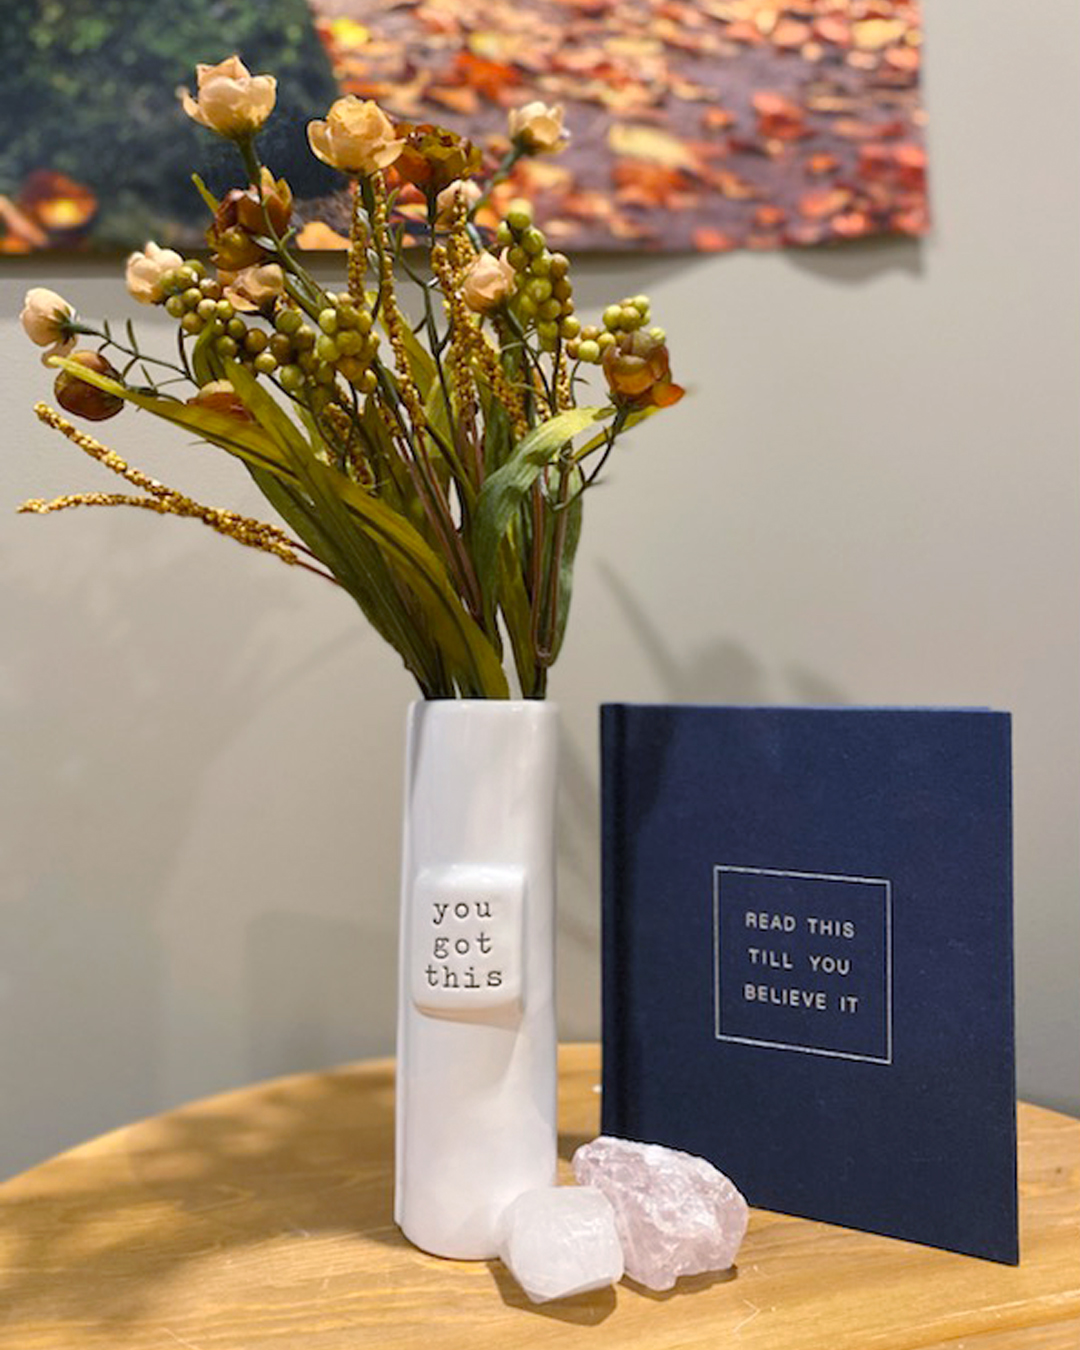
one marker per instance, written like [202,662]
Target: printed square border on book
[886,888]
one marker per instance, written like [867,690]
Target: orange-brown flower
[241,219]
[638,371]
[83,399]
[432,158]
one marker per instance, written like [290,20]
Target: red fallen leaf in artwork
[717,119]
[592,8]
[458,98]
[768,216]
[824,202]
[622,228]
[778,117]
[58,203]
[875,160]
[731,186]
[790,33]
[489,78]
[743,31]
[904,165]
[821,164]
[851,225]
[640,183]
[914,221]
[690,16]
[18,233]
[903,58]
[852,129]
[911,166]
[832,29]
[587,205]
[803,233]
[709,239]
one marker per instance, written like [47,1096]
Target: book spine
[613,912]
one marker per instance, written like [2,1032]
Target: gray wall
[872,496]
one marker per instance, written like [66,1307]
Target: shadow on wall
[598,278]
[318,990]
[720,671]
[112,751]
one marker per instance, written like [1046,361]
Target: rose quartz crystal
[675,1213]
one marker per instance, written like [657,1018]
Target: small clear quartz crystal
[560,1241]
[676,1214]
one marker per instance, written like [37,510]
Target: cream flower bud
[488,282]
[230,100]
[146,271]
[251,287]
[44,318]
[462,190]
[357,137]
[538,128]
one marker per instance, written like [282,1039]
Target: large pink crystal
[676,1214]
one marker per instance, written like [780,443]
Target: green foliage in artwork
[89,91]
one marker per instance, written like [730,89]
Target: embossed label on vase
[466,942]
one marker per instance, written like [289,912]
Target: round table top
[262,1218]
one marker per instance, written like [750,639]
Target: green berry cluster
[627,316]
[199,302]
[306,358]
[311,358]
[543,295]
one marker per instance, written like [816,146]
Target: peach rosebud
[82,398]
[357,137]
[253,287]
[538,129]
[148,269]
[487,283]
[230,100]
[219,396]
[45,318]
[449,200]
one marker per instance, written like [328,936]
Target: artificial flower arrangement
[433,466]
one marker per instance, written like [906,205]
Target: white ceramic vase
[476,1051]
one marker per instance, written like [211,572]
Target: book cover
[807,958]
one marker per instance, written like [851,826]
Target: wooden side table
[261,1219]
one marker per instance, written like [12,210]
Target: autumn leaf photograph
[667,125]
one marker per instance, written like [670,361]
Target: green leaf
[246,439]
[374,549]
[206,364]
[352,510]
[573,509]
[505,490]
[629,422]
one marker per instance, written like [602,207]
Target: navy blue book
[807,959]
